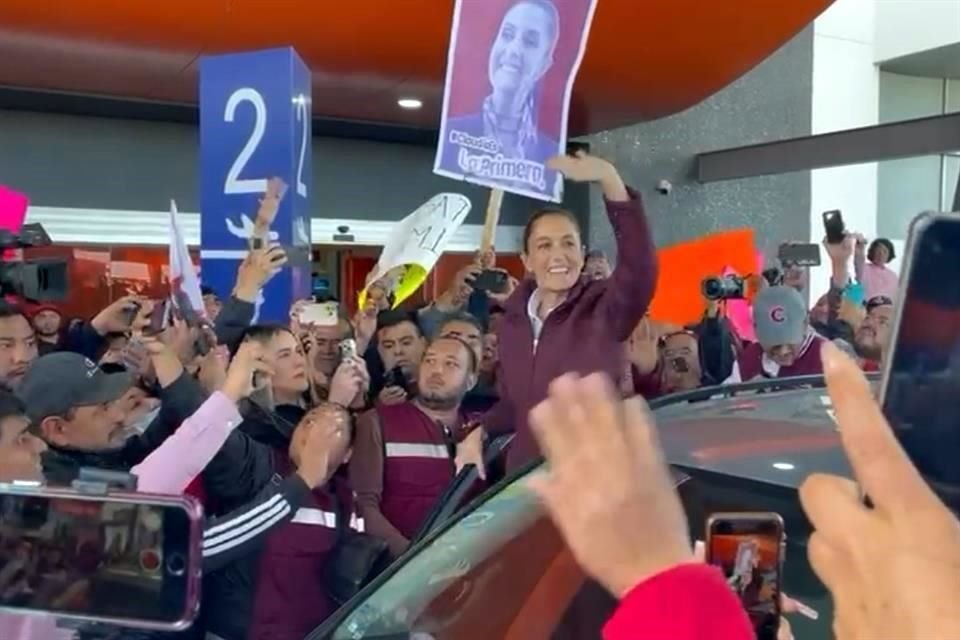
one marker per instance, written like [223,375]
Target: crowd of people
[294,435]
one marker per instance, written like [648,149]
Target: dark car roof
[776,432]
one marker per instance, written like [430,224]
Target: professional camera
[725,288]
[37,279]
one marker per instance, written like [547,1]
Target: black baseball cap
[58,382]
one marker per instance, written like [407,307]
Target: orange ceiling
[645,58]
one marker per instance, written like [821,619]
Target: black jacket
[234,318]
[242,468]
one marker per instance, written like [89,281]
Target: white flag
[183,274]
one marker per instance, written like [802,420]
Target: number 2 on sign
[303,117]
[234,183]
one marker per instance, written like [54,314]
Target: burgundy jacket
[585,334]
[400,467]
[291,596]
[750,362]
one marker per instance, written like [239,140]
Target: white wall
[845,96]
[909,26]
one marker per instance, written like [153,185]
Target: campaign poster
[510,72]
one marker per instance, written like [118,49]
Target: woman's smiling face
[554,254]
[523,49]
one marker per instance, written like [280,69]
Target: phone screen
[746,549]
[922,379]
[320,314]
[97,558]
[799,255]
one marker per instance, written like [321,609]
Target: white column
[845,96]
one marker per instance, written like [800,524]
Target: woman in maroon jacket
[557,322]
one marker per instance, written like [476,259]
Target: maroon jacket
[400,467]
[750,362]
[291,596]
[585,334]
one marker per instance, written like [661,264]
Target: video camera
[724,288]
[38,279]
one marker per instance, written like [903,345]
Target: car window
[501,571]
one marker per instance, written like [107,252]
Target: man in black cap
[73,403]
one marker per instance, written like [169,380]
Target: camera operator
[685,359]
[786,344]
[403,458]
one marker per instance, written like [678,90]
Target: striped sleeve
[242,531]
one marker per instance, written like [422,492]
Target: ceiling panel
[646,58]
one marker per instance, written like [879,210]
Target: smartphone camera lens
[176,565]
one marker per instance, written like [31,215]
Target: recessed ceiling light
[783,466]
[409,103]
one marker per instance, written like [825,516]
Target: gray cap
[779,316]
[58,382]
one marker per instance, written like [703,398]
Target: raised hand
[582,167]
[257,269]
[270,202]
[248,361]
[893,569]
[607,486]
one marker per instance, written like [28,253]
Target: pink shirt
[182,456]
[169,469]
[879,281]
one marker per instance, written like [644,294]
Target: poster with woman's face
[510,72]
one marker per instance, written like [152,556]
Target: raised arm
[630,288]
[186,453]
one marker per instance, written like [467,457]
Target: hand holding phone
[248,372]
[834,226]
[108,551]
[921,356]
[748,549]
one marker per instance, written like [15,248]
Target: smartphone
[799,255]
[748,549]
[262,394]
[395,378]
[492,280]
[348,349]
[159,317]
[833,225]
[130,313]
[320,314]
[921,374]
[125,558]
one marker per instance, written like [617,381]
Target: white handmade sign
[415,245]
